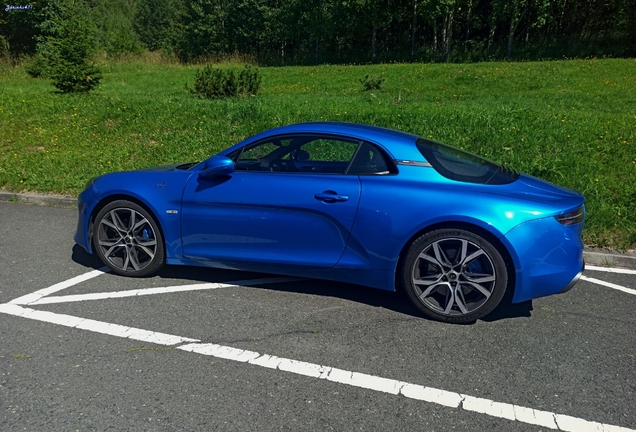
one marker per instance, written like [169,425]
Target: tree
[203,30]
[336,31]
[20,27]
[155,22]
[113,19]
[68,44]
[516,10]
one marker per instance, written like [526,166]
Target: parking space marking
[356,379]
[412,391]
[609,285]
[151,291]
[37,295]
[610,269]
[94,326]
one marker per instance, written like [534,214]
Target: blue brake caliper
[475,267]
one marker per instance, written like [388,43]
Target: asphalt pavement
[201,349]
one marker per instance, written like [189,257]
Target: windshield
[462,166]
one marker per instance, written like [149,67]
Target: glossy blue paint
[216,166]
[157,189]
[350,228]
[268,217]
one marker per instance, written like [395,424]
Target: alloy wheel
[127,240]
[453,277]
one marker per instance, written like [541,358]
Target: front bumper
[85,204]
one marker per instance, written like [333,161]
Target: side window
[330,150]
[258,152]
[298,153]
[462,166]
[370,160]
[260,156]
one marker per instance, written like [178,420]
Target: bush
[215,83]
[71,77]
[37,67]
[371,82]
[250,80]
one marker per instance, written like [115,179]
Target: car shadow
[80,256]
[351,292]
[506,310]
[394,301]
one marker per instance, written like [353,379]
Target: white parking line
[412,391]
[150,291]
[385,385]
[94,326]
[610,269]
[609,285]
[35,296]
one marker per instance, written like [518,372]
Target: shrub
[250,80]
[371,82]
[37,67]
[71,77]
[215,83]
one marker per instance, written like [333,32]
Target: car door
[287,202]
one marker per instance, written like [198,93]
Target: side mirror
[217,166]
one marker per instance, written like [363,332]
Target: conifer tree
[67,45]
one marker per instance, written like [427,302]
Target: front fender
[159,192]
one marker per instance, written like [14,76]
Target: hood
[165,168]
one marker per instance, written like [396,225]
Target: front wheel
[454,275]
[128,240]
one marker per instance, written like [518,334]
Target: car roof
[401,145]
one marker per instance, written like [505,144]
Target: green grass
[570,122]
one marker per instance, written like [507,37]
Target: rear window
[462,166]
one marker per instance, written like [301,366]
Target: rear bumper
[549,258]
[573,282]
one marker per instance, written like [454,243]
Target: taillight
[573,217]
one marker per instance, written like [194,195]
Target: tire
[128,240]
[454,275]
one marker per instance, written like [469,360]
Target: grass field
[570,122]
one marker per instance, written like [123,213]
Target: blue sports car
[351,203]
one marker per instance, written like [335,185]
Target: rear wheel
[128,240]
[454,275]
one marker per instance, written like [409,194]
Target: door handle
[330,197]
